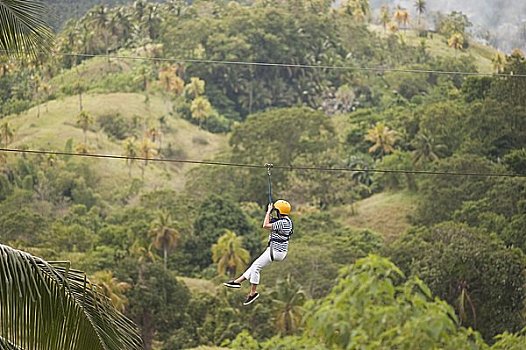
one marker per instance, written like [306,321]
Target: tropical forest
[141,143]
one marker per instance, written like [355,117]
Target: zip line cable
[287,65]
[266,166]
[293,65]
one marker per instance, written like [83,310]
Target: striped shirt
[281,230]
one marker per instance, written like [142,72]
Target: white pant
[252,273]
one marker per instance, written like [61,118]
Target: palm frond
[46,306]
[23,29]
[5,345]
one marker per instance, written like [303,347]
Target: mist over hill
[501,23]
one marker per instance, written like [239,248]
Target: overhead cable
[263,166]
[377,69]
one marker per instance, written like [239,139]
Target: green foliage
[284,137]
[408,85]
[507,341]
[291,117]
[329,246]
[157,302]
[455,22]
[263,35]
[244,341]
[493,130]
[51,305]
[469,269]
[216,214]
[396,181]
[116,126]
[25,225]
[476,88]
[288,299]
[444,121]
[516,161]
[508,89]
[373,306]
[441,195]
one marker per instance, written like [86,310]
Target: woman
[278,245]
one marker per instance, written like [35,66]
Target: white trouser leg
[252,273]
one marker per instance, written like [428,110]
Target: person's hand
[270,207]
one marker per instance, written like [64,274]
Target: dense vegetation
[158,250]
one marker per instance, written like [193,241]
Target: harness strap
[269,166]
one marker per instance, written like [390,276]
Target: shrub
[115,125]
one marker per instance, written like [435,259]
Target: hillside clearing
[386,213]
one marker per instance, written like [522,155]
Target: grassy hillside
[436,45]
[57,124]
[386,213]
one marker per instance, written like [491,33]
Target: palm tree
[112,288]
[345,96]
[84,120]
[456,41]
[152,20]
[146,151]
[7,133]
[45,89]
[420,7]
[383,139]
[176,6]
[130,152]
[139,10]
[425,148]
[100,20]
[360,171]
[87,39]
[201,109]
[68,42]
[143,256]
[141,253]
[359,9]
[401,16]
[170,81]
[144,75]
[464,299]
[79,87]
[229,255]
[499,62]
[81,148]
[288,300]
[385,16]
[121,20]
[23,29]
[165,237]
[195,88]
[48,305]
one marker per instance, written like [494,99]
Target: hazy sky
[505,19]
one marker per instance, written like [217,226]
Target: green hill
[57,124]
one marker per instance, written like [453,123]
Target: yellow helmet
[283,207]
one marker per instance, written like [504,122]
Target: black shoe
[232,284]
[251,298]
